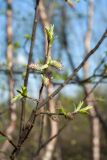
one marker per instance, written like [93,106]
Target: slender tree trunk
[95,126]
[48,154]
[53,129]
[12,107]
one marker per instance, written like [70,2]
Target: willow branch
[29,124]
[76,70]
[9,140]
[49,140]
[29,61]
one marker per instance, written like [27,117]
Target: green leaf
[79,106]
[50,34]
[16,98]
[16,45]
[100,99]
[23,75]
[58,76]
[23,91]
[62,110]
[85,109]
[27,36]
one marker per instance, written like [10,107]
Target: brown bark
[9,54]
[33,37]
[51,104]
[53,129]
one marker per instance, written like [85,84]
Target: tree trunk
[53,124]
[12,107]
[95,126]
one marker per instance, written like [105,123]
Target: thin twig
[29,125]
[10,141]
[75,71]
[49,140]
[29,61]
[93,88]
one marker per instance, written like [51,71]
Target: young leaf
[50,34]
[24,91]
[16,98]
[27,36]
[62,111]
[79,106]
[85,109]
[16,45]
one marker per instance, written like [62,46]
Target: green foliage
[16,45]
[22,93]
[45,69]
[27,36]
[62,111]
[50,62]
[85,109]
[78,109]
[50,34]
[81,109]
[16,98]
[58,76]
[100,99]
